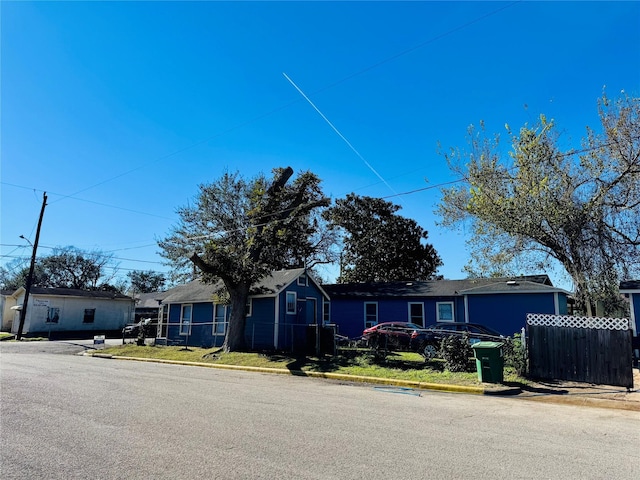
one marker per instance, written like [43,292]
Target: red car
[391,335]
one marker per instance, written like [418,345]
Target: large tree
[241,230]
[379,244]
[146,281]
[540,202]
[66,267]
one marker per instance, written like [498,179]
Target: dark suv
[427,340]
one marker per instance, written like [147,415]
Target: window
[185,319]
[302,281]
[249,307]
[219,319]
[326,312]
[444,312]
[291,303]
[89,315]
[53,315]
[370,314]
[162,321]
[416,313]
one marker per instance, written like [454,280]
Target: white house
[67,312]
[6,314]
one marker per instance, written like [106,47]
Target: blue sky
[118,110]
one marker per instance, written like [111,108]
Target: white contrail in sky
[339,134]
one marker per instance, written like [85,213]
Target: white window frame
[326,312]
[422,312]
[182,323]
[367,323]
[303,281]
[215,319]
[163,320]
[453,313]
[294,304]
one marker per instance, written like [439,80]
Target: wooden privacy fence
[582,349]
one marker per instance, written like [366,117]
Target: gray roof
[276,282]
[197,291]
[149,300]
[434,288]
[194,291]
[73,292]
[512,287]
[630,285]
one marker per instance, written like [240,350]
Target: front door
[312,311]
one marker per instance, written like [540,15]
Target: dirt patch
[577,393]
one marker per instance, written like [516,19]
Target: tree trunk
[234,339]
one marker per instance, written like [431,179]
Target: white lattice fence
[600,323]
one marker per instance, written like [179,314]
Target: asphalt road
[65,416]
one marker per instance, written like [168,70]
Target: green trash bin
[489,361]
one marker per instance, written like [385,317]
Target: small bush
[457,353]
[515,354]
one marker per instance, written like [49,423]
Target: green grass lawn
[361,362]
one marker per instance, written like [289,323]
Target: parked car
[391,335]
[427,340]
[132,330]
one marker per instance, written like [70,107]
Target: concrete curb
[497,390]
[473,390]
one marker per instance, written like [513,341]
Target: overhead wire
[288,104]
[244,228]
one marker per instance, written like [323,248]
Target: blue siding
[505,313]
[260,328]
[292,327]
[508,313]
[201,333]
[348,316]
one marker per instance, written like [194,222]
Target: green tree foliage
[14,274]
[146,282]
[379,244]
[581,208]
[241,230]
[67,267]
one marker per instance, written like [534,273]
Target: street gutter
[473,390]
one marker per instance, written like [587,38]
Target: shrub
[515,354]
[456,352]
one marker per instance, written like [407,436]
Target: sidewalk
[585,394]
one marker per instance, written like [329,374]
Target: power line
[102,254]
[87,201]
[288,104]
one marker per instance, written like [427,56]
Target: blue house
[280,309]
[631,291]
[499,303]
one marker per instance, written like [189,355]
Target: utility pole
[27,288]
